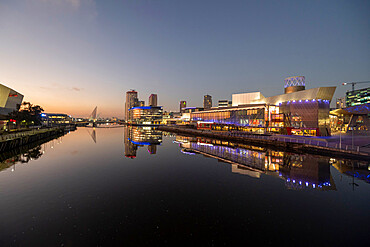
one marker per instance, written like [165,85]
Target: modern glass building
[146,115]
[358,97]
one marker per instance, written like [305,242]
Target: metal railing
[288,139]
[292,139]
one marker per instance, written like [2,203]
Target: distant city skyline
[72,55]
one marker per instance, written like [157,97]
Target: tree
[28,114]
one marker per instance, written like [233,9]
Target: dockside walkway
[14,140]
[300,144]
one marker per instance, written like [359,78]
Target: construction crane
[353,83]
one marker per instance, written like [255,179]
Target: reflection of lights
[188,153]
[204,144]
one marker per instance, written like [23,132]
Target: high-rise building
[182,105]
[141,103]
[153,100]
[207,101]
[358,97]
[131,101]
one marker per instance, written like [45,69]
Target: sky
[72,55]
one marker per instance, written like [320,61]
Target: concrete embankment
[12,141]
[270,141]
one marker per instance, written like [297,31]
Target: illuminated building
[182,105]
[141,103]
[131,101]
[245,98]
[10,100]
[153,100]
[191,109]
[207,101]
[224,103]
[298,111]
[340,103]
[146,115]
[358,97]
[354,118]
[55,119]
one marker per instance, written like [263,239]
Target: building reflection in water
[299,171]
[26,153]
[135,137]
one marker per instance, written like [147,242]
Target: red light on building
[13,95]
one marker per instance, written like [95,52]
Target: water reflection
[135,137]
[27,153]
[299,171]
[92,134]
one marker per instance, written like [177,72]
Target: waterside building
[297,111]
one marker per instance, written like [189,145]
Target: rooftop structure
[294,84]
[224,103]
[245,98]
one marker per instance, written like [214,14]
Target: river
[141,187]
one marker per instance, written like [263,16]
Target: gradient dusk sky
[72,55]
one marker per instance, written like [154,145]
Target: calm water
[114,187]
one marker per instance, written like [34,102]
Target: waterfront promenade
[315,145]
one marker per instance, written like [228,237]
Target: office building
[10,100]
[358,97]
[182,105]
[224,103]
[153,100]
[297,111]
[207,102]
[146,115]
[131,101]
